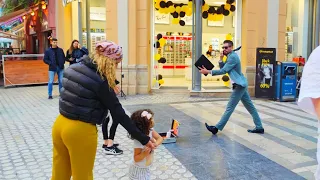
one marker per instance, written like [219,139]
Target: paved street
[286,151]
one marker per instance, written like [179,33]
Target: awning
[13,15]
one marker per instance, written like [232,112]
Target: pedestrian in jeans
[54,57]
[309,98]
[240,89]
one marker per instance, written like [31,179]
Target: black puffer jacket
[86,97]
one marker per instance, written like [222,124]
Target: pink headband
[110,50]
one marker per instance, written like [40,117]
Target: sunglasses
[225,47]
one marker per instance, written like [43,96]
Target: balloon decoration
[160,79]
[162,60]
[225,78]
[180,10]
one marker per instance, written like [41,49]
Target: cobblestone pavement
[26,118]
[286,151]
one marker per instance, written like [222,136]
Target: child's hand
[147,150]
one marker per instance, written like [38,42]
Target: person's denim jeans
[240,93]
[51,80]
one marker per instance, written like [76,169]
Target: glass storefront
[96,23]
[174,44]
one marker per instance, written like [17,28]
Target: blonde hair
[105,67]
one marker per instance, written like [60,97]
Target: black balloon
[156,44]
[232,8]
[182,14]
[181,4]
[211,10]
[159,36]
[175,15]
[159,77]
[228,2]
[163,4]
[222,6]
[182,23]
[190,0]
[232,1]
[203,2]
[169,3]
[162,60]
[219,10]
[205,14]
[225,78]
[226,13]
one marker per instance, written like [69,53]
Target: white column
[273,21]
[303,30]
[238,16]
[123,29]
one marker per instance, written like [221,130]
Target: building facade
[135,26]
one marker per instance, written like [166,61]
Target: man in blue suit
[55,59]
[240,89]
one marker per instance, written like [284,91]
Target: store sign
[98,13]
[160,18]
[65,2]
[265,72]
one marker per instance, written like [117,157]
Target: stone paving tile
[26,118]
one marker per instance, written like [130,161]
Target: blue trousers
[51,80]
[240,93]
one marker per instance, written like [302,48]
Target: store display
[289,46]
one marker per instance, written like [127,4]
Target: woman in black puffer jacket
[75,53]
[85,99]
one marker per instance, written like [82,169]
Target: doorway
[173,38]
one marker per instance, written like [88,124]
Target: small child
[143,156]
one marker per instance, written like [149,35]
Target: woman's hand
[116,89]
[150,145]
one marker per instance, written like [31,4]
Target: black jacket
[76,54]
[51,59]
[86,97]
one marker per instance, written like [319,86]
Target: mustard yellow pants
[74,149]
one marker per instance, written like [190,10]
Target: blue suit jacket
[233,68]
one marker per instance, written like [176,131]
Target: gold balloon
[157,4]
[227,7]
[175,21]
[205,7]
[227,84]
[161,81]
[157,57]
[215,17]
[162,10]
[229,37]
[184,8]
[219,17]
[172,9]
[162,42]
[224,60]
[189,12]
[154,81]
[178,9]
[190,4]
[211,17]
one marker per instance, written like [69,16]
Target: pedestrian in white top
[309,98]
[143,156]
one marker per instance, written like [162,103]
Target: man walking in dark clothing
[55,58]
